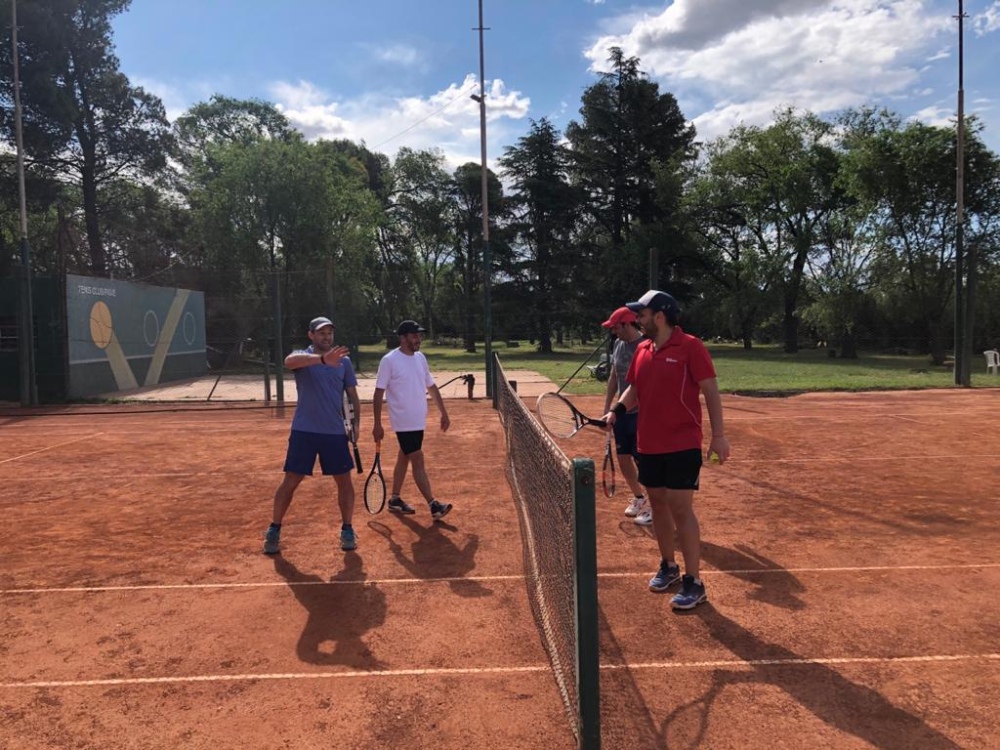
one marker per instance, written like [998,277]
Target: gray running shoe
[348,540]
[271,539]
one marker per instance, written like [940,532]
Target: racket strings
[557,417]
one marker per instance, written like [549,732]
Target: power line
[447,104]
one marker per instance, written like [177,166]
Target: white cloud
[988,20]
[936,115]
[447,119]
[398,54]
[177,99]
[817,55]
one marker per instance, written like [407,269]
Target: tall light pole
[26,330]
[963,347]
[487,260]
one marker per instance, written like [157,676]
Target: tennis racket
[608,469]
[561,418]
[349,423]
[375,484]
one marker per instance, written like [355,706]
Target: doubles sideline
[472,671]
[480,579]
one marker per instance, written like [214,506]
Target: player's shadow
[772,584]
[858,710]
[851,708]
[435,555]
[340,611]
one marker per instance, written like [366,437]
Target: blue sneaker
[271,538]
[691,595]
[666,576]
[348,540]
[439,510]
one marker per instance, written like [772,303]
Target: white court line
[794,571]
[52,447]
[479,579]
[445,672]
[279,676]
[854,458]
[259,584]
[797,662]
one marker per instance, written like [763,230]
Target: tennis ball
[101,328]
[714,457]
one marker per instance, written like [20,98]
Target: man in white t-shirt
[404,379]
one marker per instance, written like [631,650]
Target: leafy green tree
[627,130]
[906,174]
[83,121]
[544,207]
[742,274]
[290,210]
[145,229]
[785,182]
[220,121]
[424,225]
[469,272]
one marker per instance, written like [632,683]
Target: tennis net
[555,502]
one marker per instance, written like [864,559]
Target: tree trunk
[98,260]
[791,326]
[746,333]
[848,346]
[936,342]
[792,291]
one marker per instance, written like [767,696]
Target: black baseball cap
[409,326]
[656,301]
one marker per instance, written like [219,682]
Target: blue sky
[398,73]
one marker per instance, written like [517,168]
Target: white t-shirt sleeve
[404,378]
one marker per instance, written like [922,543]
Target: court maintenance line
[536,668]
[478,579]
[52,447]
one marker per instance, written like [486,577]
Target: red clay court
[852,558]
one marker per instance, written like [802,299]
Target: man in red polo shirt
[667,373]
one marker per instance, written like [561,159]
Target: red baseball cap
[621,315]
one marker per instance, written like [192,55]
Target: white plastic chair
[992,361]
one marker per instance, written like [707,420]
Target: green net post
[588,645]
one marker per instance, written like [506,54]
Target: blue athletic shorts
[625,427]
[675,471]
[303,447]
[410,442]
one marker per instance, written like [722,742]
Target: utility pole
[26,329]
[962,369]
[487,260]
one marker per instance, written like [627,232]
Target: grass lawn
[763,369]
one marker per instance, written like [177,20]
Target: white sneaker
[635,506]
[645,518]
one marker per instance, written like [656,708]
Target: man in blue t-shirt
[323,373]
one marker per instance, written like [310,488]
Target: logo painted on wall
[102,333]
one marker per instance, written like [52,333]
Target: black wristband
[322,358]
[619,409]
